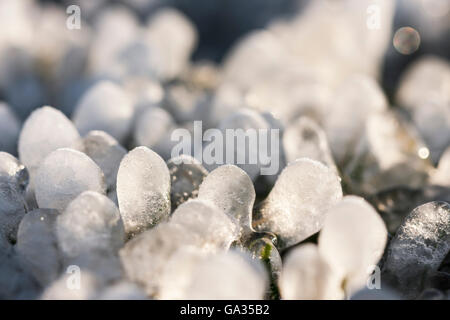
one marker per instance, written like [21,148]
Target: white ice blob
[298,203]
[106,107]
[63,175]
[143,190]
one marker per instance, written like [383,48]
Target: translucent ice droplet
[297,205]
[231,190]
[63,175]
[153,129]
[106,107]
[9,129]
[37,245]
[305,139]
[418,248]
[90,222]
[186,175]
[145,256]
[352,240]
[242,141]
[211,227]
[307,276]
[143,190]
[45,130]
[240,278]
[355,100]
[106,153]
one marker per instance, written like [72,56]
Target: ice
[297,205]
[9,129]
[13,181]
[307,276]
[186,174]
[424,90]
[45,130]
[103,264]
[354,101]
[187,104]
[105,106]
[15,282]
[14,171]
[106,153]
[304,138]
[71,286]
[227,276]
[37,245]
[177,273]
[389,154]
[153,130]
[418,248]
[122,290]
[352,241]
[143,190]
[442,175]
[209,225]
[379,294]
[231,190]
[63,175]
[175,38]
[245,119]
[145,256]
[90,222]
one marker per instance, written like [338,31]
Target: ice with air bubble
[298,203]
[143,190]
[63,175]
[418,248]
[186,175]
[230,189]
[90,222]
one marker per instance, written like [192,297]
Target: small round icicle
[231,190]
[418,248]
[143,190]
[63,175]
[307,276]
[90,222]
[297,205]
[44,131]
[352,241]
[105,106]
